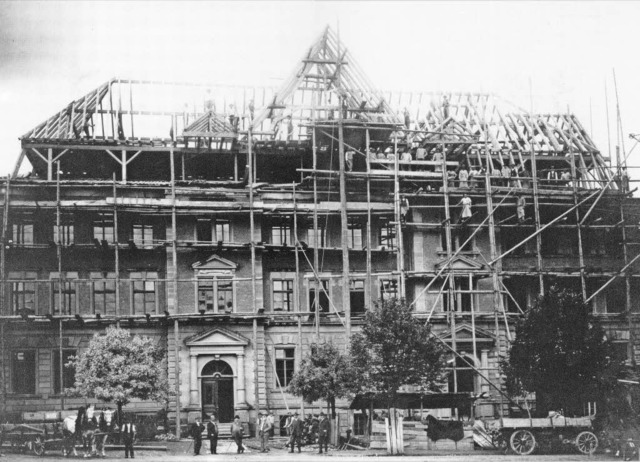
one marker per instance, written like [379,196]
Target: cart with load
[524,435]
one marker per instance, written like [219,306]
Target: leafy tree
[395,349]
[325,373]
[559,352]
[117,367]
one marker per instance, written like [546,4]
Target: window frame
[18,280]
[99,281]
[19,233]
[387,236]
[290,299]
[357,240]
[68,373]
[28,385]
[284,230]
[69,292]
[103,222]
[144,278]
[285,368]
[145,237]
[215,278]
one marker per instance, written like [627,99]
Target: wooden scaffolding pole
[369,237]
[316,243]
[116,245]
[174,259]
[253,267]
[59,257]
[345,229]
[4,305]
[574,187]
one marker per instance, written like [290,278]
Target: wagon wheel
[38,446]
[587,442]
[522,442]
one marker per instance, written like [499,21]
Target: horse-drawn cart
[29,438]
[525,435]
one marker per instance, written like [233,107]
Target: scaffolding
[351,152]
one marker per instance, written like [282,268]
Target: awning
[414,400]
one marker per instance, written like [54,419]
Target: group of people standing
[265,430]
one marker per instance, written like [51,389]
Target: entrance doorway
[217,391]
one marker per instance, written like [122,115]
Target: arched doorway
[217,390]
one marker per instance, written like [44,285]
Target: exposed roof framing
[326,72]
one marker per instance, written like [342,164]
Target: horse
[88,431]
[106,425]
[69,436]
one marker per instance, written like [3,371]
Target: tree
[117,367]
[395,349]
[325,373]
[560,352]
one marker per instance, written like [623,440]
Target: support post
[253,269]
[176,346]
[346,305]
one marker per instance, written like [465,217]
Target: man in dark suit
[212,433]
[128,432]
[295,432]
[324,429]
[196,433]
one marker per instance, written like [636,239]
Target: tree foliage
[117,367]
[395,349]
[560,352]
[325,373]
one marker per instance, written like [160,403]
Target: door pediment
[217,337]
[461,263]
[464,335]
[215,263]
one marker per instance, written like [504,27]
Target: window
[103,227]
[22,233]
[143,235]
[280,233]
[64,234]
[64,292]
[23,372]
[221,230]
[388,289]
[462,296]
[283,294]
[68,373]
[23,293]
[464,376]
[355,231]
[322,296]
[311,236]
[215,294]
[203,230]
[144,291]
[104,292]
[388,235]
[285,365]
[356,296]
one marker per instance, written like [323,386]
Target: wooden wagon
[29,438]
[524,435]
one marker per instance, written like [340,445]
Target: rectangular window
[143,235]
[388,235]
[104,292]
[64,292]
[388,289]
[64,234]
[311,236]
[356,234]
[221,230]
[215,295]
[280,233]
[356,296]
[144,291]
[283,294]
[23,293]
[22,233]
[103,227]
[203,230]
[322,296]
[23,372]
[68,373]
[285,365]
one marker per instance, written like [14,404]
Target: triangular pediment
[464,334]
[216,337]
[215,263]
[462,263]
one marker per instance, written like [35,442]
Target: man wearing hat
[264,426]
[324,429]
[295,432]
[196,433]
[212,433]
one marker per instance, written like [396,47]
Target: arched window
[217,368]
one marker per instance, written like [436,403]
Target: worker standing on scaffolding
[520,205]
[466,208]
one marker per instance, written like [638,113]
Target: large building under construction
[238,225]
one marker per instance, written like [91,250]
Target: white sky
[54,52]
